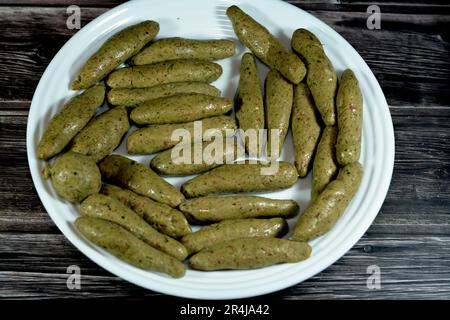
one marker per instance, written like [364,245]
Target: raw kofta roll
[249,253]
[279,99]
[187,159]
[103,134]
[75,176]
[131,97]
[323,212]
[164,72]
[74,115]
[180,108]
[305,128]
[321,77]
[115,51]
[180,48]
[110,209]
[160,216]
[349,104]
[234,229]
[128,247]
[242,177]
[249,105]
[156,138]
[218,208]
[325,165]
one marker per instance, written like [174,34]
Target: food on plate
[322,213]
[249,253]
[137,177]
[103,134]
[278,104]
[180,48]
[180,108]
[110,209]
[131,97]
[218,208]
[249,103]
[74,115]
[305,128]
[325,165]
[128,247]
[156,138]
[201,157]
[234,229]
[150,75]
[321,77]
[160,216]
[75,176]
[127,208]
[265,46]
[115,51]
[349,105]
[241,177]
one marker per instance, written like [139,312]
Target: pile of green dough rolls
[164,85]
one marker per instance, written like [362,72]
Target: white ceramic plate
[207,19]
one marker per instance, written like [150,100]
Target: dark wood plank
[402,6]
[411,267]
[15,180]
[409,55]
[62,3]
[29,44]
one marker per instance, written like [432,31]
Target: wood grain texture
[409,55]
[410,238]
[33,271]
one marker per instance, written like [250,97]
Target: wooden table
[410,238]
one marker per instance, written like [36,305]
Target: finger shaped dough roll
[323,212]
[115,51]
[321,77]
[265,46]
[103,134]
[140,179]
[159,73]
[130,97]
[128,247]
[305,129]
[180,48]
[108,208]
[218,208]
[234,229]
[160,137]
[180,108]
[69,121]
[250,105]
[349,104]
[160,216]
[249,253]
[241,177]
